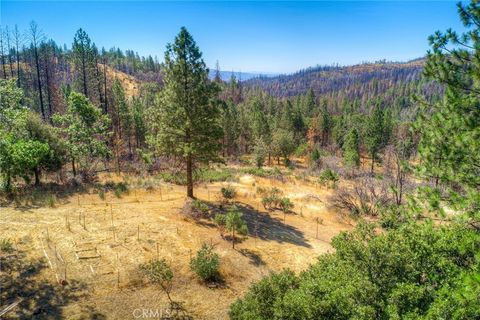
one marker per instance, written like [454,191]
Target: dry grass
[100,243]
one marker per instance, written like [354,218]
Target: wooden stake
[158,255]
[317,228]
[111,213]
[48,236]
[118,278]
[138,233]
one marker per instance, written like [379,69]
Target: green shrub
[206,263]
[120,189]
[232,222]
[200,206]
[6,245]
[159,272]
[418,271]
[213,175]
[301,149]
[393,217]
[260,172]
[328,178]
[228,192]
[50,200]
[286,205]
[101,194]
[195,209]
[179,178]
[271,198]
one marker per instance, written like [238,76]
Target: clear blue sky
[249,36]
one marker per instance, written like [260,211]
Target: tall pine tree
[186,124]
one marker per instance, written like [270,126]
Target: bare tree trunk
[49,91]
[105,109]
[39,82]
[3,55]
[37,176]
[17,40]
[73,167]
[10,62]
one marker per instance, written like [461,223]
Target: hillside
[326,79]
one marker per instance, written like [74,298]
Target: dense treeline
[45,70]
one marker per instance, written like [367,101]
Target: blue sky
[249,36]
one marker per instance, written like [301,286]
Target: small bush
[6,245]
[393,217]
[286,205]
[228,192]
[159,272]
[328,178]
[206,263]
[301,150]
[232,222]
[101,194]
[50,200]
[259,172]
[120,189]
[179,178]
[195,209]
[271,198]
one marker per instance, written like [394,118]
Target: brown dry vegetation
[100,243]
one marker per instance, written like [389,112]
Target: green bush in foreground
[329,178]
[418,271]
[206,263]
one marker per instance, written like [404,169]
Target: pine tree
[186,123]
[83,58]
[351,153]
[373,134]
[450,131]
[36,37]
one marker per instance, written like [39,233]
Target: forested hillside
[393,82]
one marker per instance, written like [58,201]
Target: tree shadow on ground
[262,225]
[254,257]
[49,194]
[268,228]
[21,280]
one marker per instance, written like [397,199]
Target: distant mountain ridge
[325,79]
[242,76]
